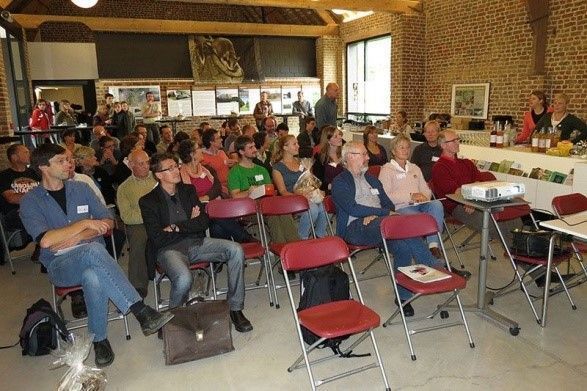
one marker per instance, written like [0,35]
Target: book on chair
[423,273]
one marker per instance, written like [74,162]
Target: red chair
[334,319]
[160,276]
[279,206]
[237,208]
[535,264]
[567,205]
[330,208]
[398,227]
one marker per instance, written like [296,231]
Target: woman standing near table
[39,119]
[571,127]
[538,108]
[377,154]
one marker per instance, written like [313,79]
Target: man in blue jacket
[361,204]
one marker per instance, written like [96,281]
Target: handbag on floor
[199,330]
[531,243]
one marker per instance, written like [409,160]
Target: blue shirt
[325,110]
[40,212]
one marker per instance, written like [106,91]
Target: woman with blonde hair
[328,161]
[287,169]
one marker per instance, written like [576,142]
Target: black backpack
[40,329]
[323,285]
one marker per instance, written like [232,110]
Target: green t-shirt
[241,178]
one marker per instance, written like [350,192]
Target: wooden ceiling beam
[326,17]
[393,6]
[178,26]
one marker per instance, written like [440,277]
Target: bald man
[134,187]
[325,108]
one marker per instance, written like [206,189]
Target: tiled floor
[537,359]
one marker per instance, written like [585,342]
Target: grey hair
[348,147]
[396,140]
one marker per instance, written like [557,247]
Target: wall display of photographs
[248,99]
[470,100]
[288,96]
[135,97]
[204,102]
[311,94]
[179,103]
[274,97]
[227,101]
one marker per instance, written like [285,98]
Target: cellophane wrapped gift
[308,183]
[79,377]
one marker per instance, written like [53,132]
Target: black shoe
[43,269]
[142,292]
[241,324]
[151,320]
[460,272]
[408,309]
[104,354]
[35,254]
[78,305]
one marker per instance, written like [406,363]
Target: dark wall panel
[288,57]
[142,56]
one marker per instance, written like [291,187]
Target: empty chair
[329,320]
[398,227]
[567,205]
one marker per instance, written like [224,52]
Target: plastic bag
[78,377]
[308,183]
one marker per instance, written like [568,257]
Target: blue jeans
[403,251]
[433,208]
[101,278]
[175,264]
[319,217]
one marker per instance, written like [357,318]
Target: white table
[575,225]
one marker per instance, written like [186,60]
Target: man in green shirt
[129,192]
[246,175]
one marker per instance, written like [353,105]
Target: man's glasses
[359,153]
[452,141]
[172,168]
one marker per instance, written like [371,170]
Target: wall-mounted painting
[135,96]
[470,100]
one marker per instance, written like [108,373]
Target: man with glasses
[361,204]
[68,221]
[176,224]
[128,194]
[448,175]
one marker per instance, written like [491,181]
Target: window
[368,77]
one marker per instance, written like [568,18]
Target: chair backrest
[231,208]
[408,226]
[487,176]
[569,204]
[512,212]
[329,205]
[312,253]
[283,205]
[374,170]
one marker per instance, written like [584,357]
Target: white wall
[62,61]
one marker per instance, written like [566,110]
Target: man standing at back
[428,153]
[151,112]
[325,109]
[68,221]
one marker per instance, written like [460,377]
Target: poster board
[274,97]
[248,99]
[470,100]
[204,102]
[135,96]
[179,103]
[288,96]
[227,101]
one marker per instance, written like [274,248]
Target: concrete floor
[536,359]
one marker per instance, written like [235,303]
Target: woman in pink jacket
[538,107]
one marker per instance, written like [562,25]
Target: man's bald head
[138,162]
[332,90]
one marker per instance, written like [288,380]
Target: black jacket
[156,217]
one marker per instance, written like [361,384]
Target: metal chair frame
[313,253]
[7,237]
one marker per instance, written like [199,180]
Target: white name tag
[82,209]
[435,158]
[374,192]
[333,164]
[301,168]
[259,177]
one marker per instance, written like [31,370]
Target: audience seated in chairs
[216,158]
[108,154]
[141,133]
[176,224]
[166,137]
[43,212]
[327,162]
[127,145]
[263,157]
[361,204]
[427,153]
[377,154]
[86,163]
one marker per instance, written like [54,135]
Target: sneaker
[151,320]
[104,354]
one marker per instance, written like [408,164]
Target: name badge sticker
[333,164]
[259,177]
[435,158]
[82,209]
[374,192]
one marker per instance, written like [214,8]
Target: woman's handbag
[535,244]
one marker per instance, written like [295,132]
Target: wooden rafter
[178,26]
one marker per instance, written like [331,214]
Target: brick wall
[329,60]
[490,41]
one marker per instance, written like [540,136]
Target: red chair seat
[430,288]
[581,246]
[338,318]
[253,250]
[275,248]
[556,260]
[65,290]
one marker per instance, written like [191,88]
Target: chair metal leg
[573,306]
[466,324]
[452,242]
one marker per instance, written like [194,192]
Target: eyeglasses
[172,168]
[359,153]
[452,141]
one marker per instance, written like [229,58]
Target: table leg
[548,277]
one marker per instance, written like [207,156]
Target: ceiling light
[84,3]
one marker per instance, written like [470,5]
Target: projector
[492,191]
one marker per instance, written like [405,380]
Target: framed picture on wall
[135,97]
[470,100]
